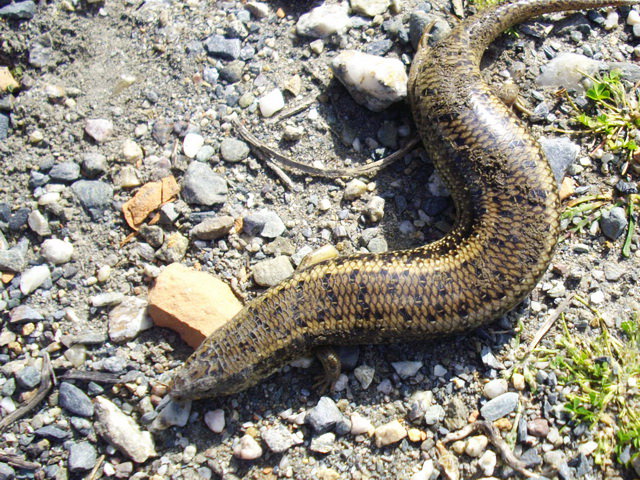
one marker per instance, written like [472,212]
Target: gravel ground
[117,94]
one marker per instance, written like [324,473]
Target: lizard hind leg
[331,366]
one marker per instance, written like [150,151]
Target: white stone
[324,20]
[56,251]
[38,223]
[354,189]
[131,151]
[215,420]
[597,297]
[389,433]
[373,81]
[495,388]
[49,198]
[425,473]
[128,319]
[567,70]
[103,273]
[439,371]
[370,8]
[406,369]
[247,449]
[364,374]
[122,431]
[588,448]
[191,144]
[518,381]
[487,462]
[633,18]
[476,445]
[360,425]
[611,21]
[271,103]
[34,278]
[258,9]
[99,129]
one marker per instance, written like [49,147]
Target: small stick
[291,111]
[48,380]
[17,461]
[496,440]
[549,322]
[95,472]
[280,173]
[89,376]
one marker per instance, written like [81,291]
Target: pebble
[52,433]
[406,369]
[14,259]
[247,449]
[597,297]
[419,402]
[612,20]
[39,224]
[278,438]
[122,432]
[377,245]
[426,472]
[354,189]
[364,374]
[324,21]
[232,72]
[538,427]
[561,152]
[374,82]
[489,359]
[131,151]
[495,388]
[65,172]
[94,164]
[554,458]
[476,445]
[567,70]
[174,248]
[487,462]
[191,144]
[56,251]
[220,47]
[28,377]
[518,381]
[74,400]
[271,103]
[201,186]
[258,9]
[82,456]
[614,222]
[4,126]
[106,299]
[234,150]
[389,433]
[99,129]
[324,416]
[500,406]
[360,425]
[434,414]
[439,371]
[34,278]
[613,272]
[375,209]
[213,228]
[633,18]
[371,8]
[25,313]
[95,196]
[127,177]
[268,273]
[128,319]
[265,223]
[214,419]
[323,443]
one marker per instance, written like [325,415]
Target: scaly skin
[501,244]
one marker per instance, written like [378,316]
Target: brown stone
[192,303]
[567,188]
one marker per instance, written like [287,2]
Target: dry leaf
[150,197]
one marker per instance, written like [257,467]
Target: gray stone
[233,150]
[364,374]
[153,235]
[220,47]
[25,313]
[268,273]
[324,415]
[75,400]
[41,56]
[28,377]
[174,248]
[406,369]
[94,164]
[278,438]
[201,186]
[232,72]
[561,153]
[629,71]
[95,196]
[82,456]
[457,414]
[211,75]
[6,472]
[377,245]
[53,433]
[567,70]
[265,223]
[4,126]
[173,414]
[205,153]
[500,406]
[434,414]
[489,359]
[213,228]
[19,11]
[614,222]
[419,402]
[14,259]
[65,172]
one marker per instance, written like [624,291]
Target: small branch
[89,376]
[95,472]
[269,154]
[294,110]
[496,440]
[549,323]
[17,461]
[46,383]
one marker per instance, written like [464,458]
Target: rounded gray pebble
[614,222]
[75,400]
[28,378]
[233,150]
[82,456]
[500,406]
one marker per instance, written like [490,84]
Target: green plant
[603,374]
